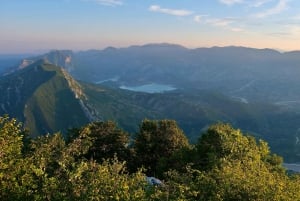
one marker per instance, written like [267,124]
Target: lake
[150,88]
[292,166]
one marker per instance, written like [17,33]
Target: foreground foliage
[93,164]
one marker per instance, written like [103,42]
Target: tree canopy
[156,140]
[106,140]
[224,165]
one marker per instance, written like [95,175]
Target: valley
[119,100]
[255,90]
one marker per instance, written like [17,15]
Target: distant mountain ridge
[247,73]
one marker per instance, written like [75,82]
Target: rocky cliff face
[25,63]
[88,109]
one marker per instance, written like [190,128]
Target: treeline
[101,162]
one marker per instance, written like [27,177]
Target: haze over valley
[252,89]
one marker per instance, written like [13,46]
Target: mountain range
[246,73]
[253,89]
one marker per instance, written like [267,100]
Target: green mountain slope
[118,105]
[41,96]
[48,99]
[194,112]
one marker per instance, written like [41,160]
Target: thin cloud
[251,3]
[199,18]
[294,30]
[220,22]
[279,34]
[231,2]
[280,7]
[176,12]
[236,29]
[259,3]
[107,2]
[297,17]
[290,31]
[224,23]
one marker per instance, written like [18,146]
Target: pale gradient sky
[28,26]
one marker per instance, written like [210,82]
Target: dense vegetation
[39,95]
[100,162]
[47,100]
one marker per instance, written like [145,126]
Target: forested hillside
[98,162]
[47,99]
[40,95]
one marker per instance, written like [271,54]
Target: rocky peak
[25,63]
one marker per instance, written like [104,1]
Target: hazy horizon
[38,52]
[34,26]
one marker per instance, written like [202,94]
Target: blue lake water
[292,166]
[150,88]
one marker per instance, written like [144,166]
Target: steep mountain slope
[41,96]
[47,99]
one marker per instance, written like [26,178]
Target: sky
[31,26]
